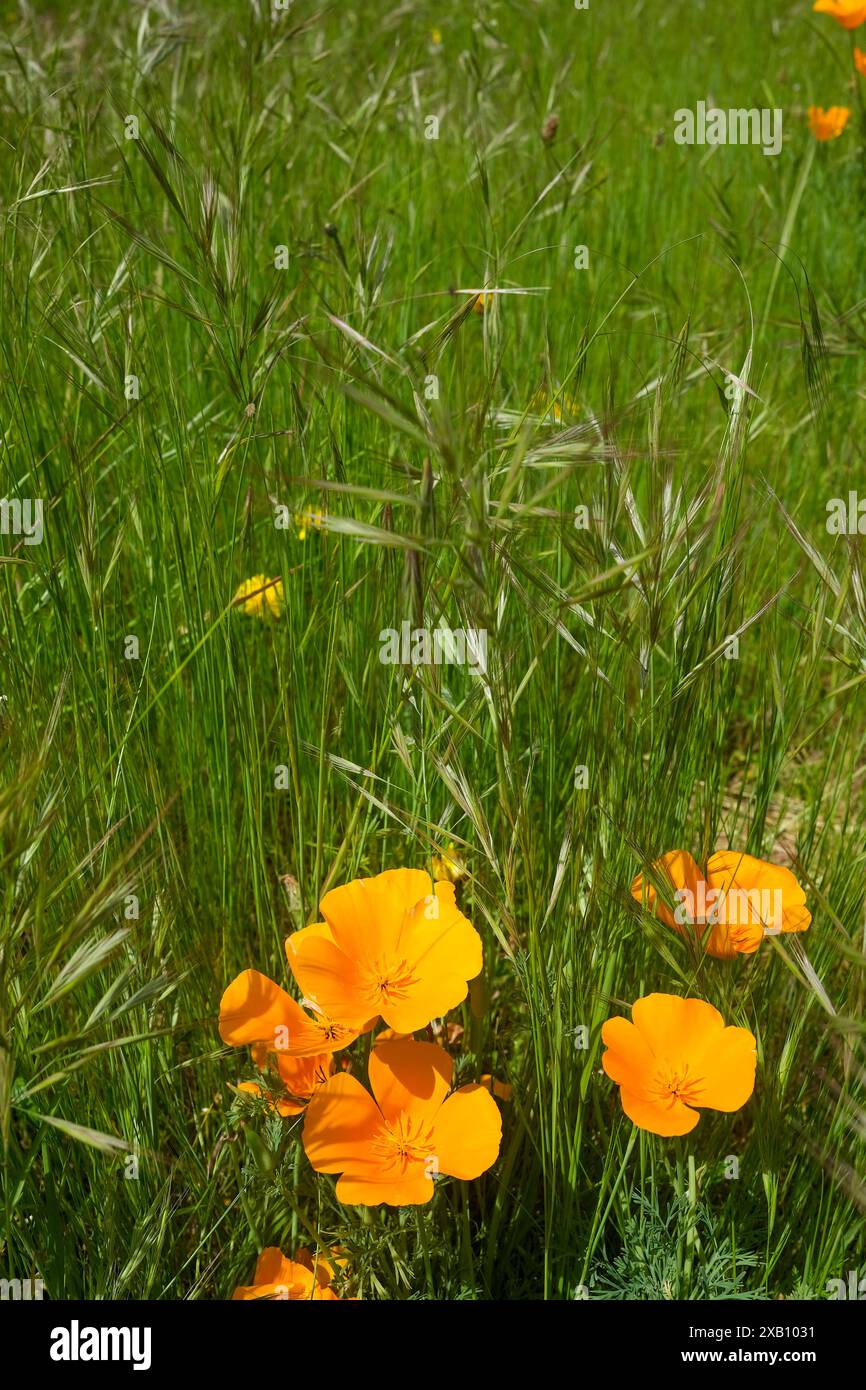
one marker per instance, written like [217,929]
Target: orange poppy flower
[675,1055]
[295,1280]
[860,61]
[300,1077]
[849,13]
[255,1010]
[390,1149]
[730,907]
[829,124]
[395,945]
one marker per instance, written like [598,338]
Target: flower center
[404,1141]
[332,1032]
[390,980]
[675,1083]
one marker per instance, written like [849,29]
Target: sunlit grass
[170,393]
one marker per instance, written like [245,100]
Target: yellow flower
[261,597]
[556,409]
[306,520]
[435,37]
[829,124]
[849,13]
[860,61]
[448,867]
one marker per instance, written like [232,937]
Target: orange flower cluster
[730,907]
[676,1056]
[397,948]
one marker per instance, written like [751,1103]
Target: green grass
[306,387]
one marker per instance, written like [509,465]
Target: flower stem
[692,1242]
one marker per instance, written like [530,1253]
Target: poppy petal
[412,1191]
[668,1119]
[796,919]
[443,952]
[467,1133]
[726,1071]
[629,1059]
[760,880]
[340,1127]
[254,1009]
[409,1077]
[329,978]
[322,1268]
[674,1028]
[320,930]
[366,916]
[678,871]
[272,1267]
[281,1104]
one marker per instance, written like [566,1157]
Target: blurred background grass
[128,1168]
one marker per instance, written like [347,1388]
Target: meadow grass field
[242,340]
